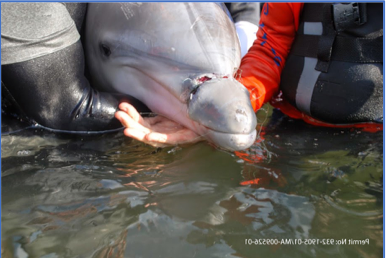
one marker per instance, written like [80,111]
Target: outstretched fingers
[132,112]
[128,122]
[156,131]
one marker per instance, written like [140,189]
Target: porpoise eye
[106,50]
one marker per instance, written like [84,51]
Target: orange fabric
[261,67]
[293,112]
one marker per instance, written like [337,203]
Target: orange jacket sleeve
[261,68]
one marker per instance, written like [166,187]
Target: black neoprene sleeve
[53,92]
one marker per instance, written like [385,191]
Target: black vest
[334,71]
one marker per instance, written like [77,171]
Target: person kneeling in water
[333,74]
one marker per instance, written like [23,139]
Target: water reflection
[108,196]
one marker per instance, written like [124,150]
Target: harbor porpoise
[179,59]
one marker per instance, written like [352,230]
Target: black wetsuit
[43,69]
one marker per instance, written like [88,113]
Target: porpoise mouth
[231,142]
[222,105]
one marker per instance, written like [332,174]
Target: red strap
[292,112]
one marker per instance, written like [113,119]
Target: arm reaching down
[43,69]
[261,67]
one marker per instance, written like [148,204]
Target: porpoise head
[177,58]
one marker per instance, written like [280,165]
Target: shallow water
[297,192]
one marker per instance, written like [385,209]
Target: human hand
[156,131]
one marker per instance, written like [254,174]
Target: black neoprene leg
[52,91]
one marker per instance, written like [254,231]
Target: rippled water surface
[109,196]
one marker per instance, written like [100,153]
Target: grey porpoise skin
[177,58]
